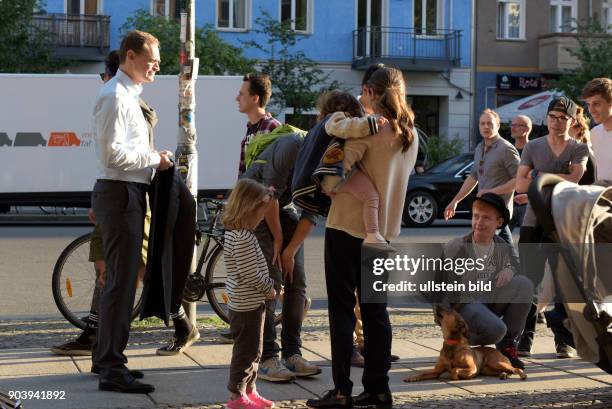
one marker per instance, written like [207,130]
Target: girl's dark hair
[111,63]
[389,91]
[336,100]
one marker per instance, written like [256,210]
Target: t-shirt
[495,165]
[601,139]
[248,280]
[538,155]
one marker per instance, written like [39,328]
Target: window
[167,8]
[562,15]
[369,21]
[428,16]
[232,14]
[88,7]
[511,19]
[607,15]
[298,12]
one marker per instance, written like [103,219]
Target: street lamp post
[186,148]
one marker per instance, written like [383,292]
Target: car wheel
[420,209]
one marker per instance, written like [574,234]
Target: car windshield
[451,165]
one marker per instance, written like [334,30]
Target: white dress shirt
[121,134]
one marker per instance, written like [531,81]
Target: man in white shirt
[598,95]
[126,163]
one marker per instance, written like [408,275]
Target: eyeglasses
[518,126]
[560,119]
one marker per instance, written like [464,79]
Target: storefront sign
[514,82]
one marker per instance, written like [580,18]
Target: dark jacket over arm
[171,244]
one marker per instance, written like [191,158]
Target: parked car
[430,192]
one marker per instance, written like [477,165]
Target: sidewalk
[197,379]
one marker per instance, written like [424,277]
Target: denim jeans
[295,292]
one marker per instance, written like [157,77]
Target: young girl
[248,284]
[338,172]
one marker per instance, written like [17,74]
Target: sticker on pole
[183,27]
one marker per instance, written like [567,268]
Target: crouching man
[496,316]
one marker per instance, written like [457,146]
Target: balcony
[79,37]
[406,48]
[554,54]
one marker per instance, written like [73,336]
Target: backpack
[260,142]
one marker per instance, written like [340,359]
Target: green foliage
[440,148]
[594,53]
[297,80]
[23,47]
[216,56]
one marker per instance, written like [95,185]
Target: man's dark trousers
[295,292]
[120,208]
[342,277]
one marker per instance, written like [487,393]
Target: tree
[594,53]
[216,56]
[297,80]
[23,46]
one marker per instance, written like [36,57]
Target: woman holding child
[386,159]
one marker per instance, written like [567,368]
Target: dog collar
[451,341]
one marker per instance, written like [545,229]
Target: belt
[139,185]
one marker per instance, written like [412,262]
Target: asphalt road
[28,254]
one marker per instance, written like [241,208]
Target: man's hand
[449,212]
[504,277]
[165,162]
[288,262]
[276,255]
[92,216]
[521,199]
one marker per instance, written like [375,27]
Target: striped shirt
[248,278]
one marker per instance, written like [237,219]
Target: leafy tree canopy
[216,56]
[594,54]
[24,47]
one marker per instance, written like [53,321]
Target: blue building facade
[429,40]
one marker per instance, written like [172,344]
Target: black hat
[563,104]
[497,202]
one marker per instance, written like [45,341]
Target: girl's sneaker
[260,400]
[242,403]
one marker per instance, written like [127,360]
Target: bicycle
[74,280]
[212,283]
[74,277]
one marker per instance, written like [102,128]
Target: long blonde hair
[246,197]
[389,90]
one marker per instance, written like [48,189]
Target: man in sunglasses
[557,153]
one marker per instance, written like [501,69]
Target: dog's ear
[462,327]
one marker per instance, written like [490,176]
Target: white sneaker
[274,371]
[301,367]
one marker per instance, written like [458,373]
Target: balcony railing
[406,48]
[79,32]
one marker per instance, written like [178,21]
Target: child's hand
[271,295]
[381,121]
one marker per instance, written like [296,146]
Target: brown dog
[461,360]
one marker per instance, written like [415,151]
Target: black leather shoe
[124,383]
[330,400]
[136,374]
[373,400]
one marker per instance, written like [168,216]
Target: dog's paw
[503,375]
[413,378]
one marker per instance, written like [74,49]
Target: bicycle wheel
[215,278]
[74,280]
